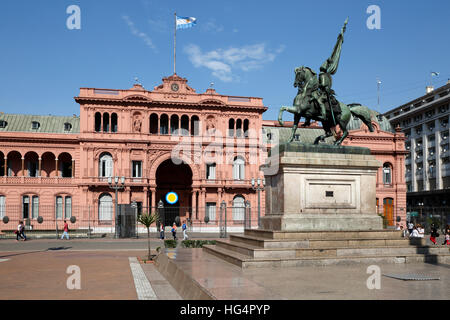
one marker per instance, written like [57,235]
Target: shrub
[170,243]
[196,243]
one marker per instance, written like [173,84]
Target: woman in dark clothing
[434,234]
[447,235]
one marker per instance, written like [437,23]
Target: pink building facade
[62,166]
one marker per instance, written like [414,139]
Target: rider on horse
[321,90]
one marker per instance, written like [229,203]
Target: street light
[116,186]
[258,186]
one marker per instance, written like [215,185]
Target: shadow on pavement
[35,251]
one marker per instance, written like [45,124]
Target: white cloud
[212,26]
[148,41]
[225,62]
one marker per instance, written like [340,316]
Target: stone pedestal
[321,188]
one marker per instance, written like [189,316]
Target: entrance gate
[126,221]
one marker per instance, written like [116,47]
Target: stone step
[351,243]
[312,235]
[269,243]
[259,252]
[371,251]
[244,261]
[256,252]
[325,243]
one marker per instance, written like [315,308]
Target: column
[5,168]
[56,166]
[23,167]
[194,204]
[145,204]
[202,204]
[153,195]
[73,168]
[158,126]
[40,166]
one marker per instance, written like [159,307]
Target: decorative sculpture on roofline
[315,99]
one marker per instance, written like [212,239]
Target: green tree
[147,219]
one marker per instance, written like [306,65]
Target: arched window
[387,173]
[164,124]
[238,128]
[114,122]
[238,168]
[246,124]
[173,123]
[98,122]
[106,122]
[105,207]
[231,128]
[105,165]
[238,208]
[184,125]
[195,123]
[153,123]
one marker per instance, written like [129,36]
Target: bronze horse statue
[305,105]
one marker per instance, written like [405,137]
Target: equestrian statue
[315,99]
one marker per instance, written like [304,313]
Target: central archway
[177,178]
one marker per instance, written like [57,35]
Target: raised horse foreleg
[291,109]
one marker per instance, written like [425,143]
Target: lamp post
[248,223]
[223,219]
[116,186]
[258,186]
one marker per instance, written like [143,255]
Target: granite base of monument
[321,188]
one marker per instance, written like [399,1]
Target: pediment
[137,97]
[212,101]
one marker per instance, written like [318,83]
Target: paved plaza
[37,270]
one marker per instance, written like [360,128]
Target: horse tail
[363,113]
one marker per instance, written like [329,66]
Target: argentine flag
[433,73]
[185,22]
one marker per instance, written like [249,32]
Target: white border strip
[143,288]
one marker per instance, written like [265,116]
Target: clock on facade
[174,87]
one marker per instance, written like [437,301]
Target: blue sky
[245,47]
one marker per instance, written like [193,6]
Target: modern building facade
[424,121]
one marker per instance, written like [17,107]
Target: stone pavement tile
[163,289]
[42,276]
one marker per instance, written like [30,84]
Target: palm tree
[147,219]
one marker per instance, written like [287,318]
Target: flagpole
[175,46]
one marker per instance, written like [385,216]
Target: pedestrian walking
[447,236]
[161,232]
[66,231]
[434,234]
[184,227]
[174,231]
[20,232]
